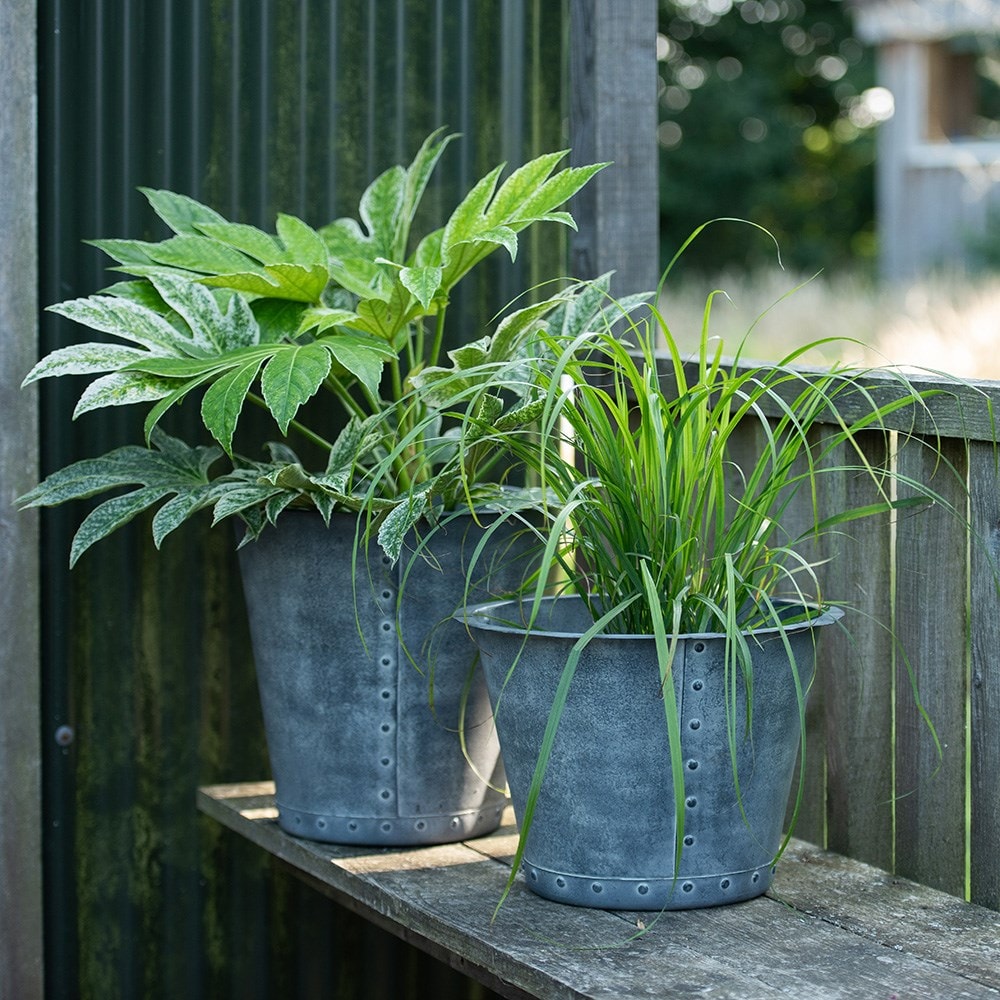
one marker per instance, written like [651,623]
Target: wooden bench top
[830,927]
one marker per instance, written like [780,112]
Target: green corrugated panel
[252,106]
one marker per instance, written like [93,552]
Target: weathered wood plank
[984,840]
[856,665]
[870,935]
[21,927]
[960,409]
[613,93]
[931,607]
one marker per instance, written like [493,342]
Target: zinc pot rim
[486,617]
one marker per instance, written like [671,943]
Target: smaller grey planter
[604,831]
[357,753]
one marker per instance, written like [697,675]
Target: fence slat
[931,583]
[856,665]
[984,490]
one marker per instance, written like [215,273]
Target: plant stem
[294,424]
[438,337]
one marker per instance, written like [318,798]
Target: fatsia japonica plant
[234,315]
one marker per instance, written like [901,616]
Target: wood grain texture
[829,928]
[984,839]
[613,93]
[856,664]
[931,608]
[21,960]
[964,409]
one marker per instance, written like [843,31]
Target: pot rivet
[386,727]
[697,685]
[687,887]
[689,841]
[352,826]
[597,887]
[724,884]
[386,626]
[64,736]
[561,882]
[692,802]
[695,723]
[321,824]
[455,822]
[699,647]
[755,877]
[387,694]
[643,889]
[420,825]
[386,827]
[386,762]
[692,765]
[386,793]
[386,661]
[533,874]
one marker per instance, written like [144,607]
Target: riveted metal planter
[604,831]
[360,752]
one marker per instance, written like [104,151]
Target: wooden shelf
[829,927]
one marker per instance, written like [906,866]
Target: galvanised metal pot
[360,751]
[604,831]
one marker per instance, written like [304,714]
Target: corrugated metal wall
[253,106]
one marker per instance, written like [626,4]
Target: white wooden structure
[938,174]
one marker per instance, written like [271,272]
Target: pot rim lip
[480,616]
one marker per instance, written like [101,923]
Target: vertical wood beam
[21,972]
[984,836]
[931,609]
[613,94]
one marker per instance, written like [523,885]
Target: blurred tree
[767,113]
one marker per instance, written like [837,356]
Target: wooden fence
[878,788]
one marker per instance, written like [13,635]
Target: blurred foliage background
[767,111]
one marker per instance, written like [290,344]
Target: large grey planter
[358,755]
[604,831]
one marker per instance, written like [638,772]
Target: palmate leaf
[489,217]
[169,468]
[207,247]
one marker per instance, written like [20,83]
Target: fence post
[613,94]
[21,972]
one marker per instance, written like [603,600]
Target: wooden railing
[878,788]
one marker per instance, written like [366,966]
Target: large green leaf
[212,330]
[304,245]
[380,210]
[170,468]
[363,357]
[250,240]
[129,321]
[292,377]
[222,403]
[122,389]
[84,359]
[181,213]
[489,217]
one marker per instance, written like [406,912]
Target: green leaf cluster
[230,314]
